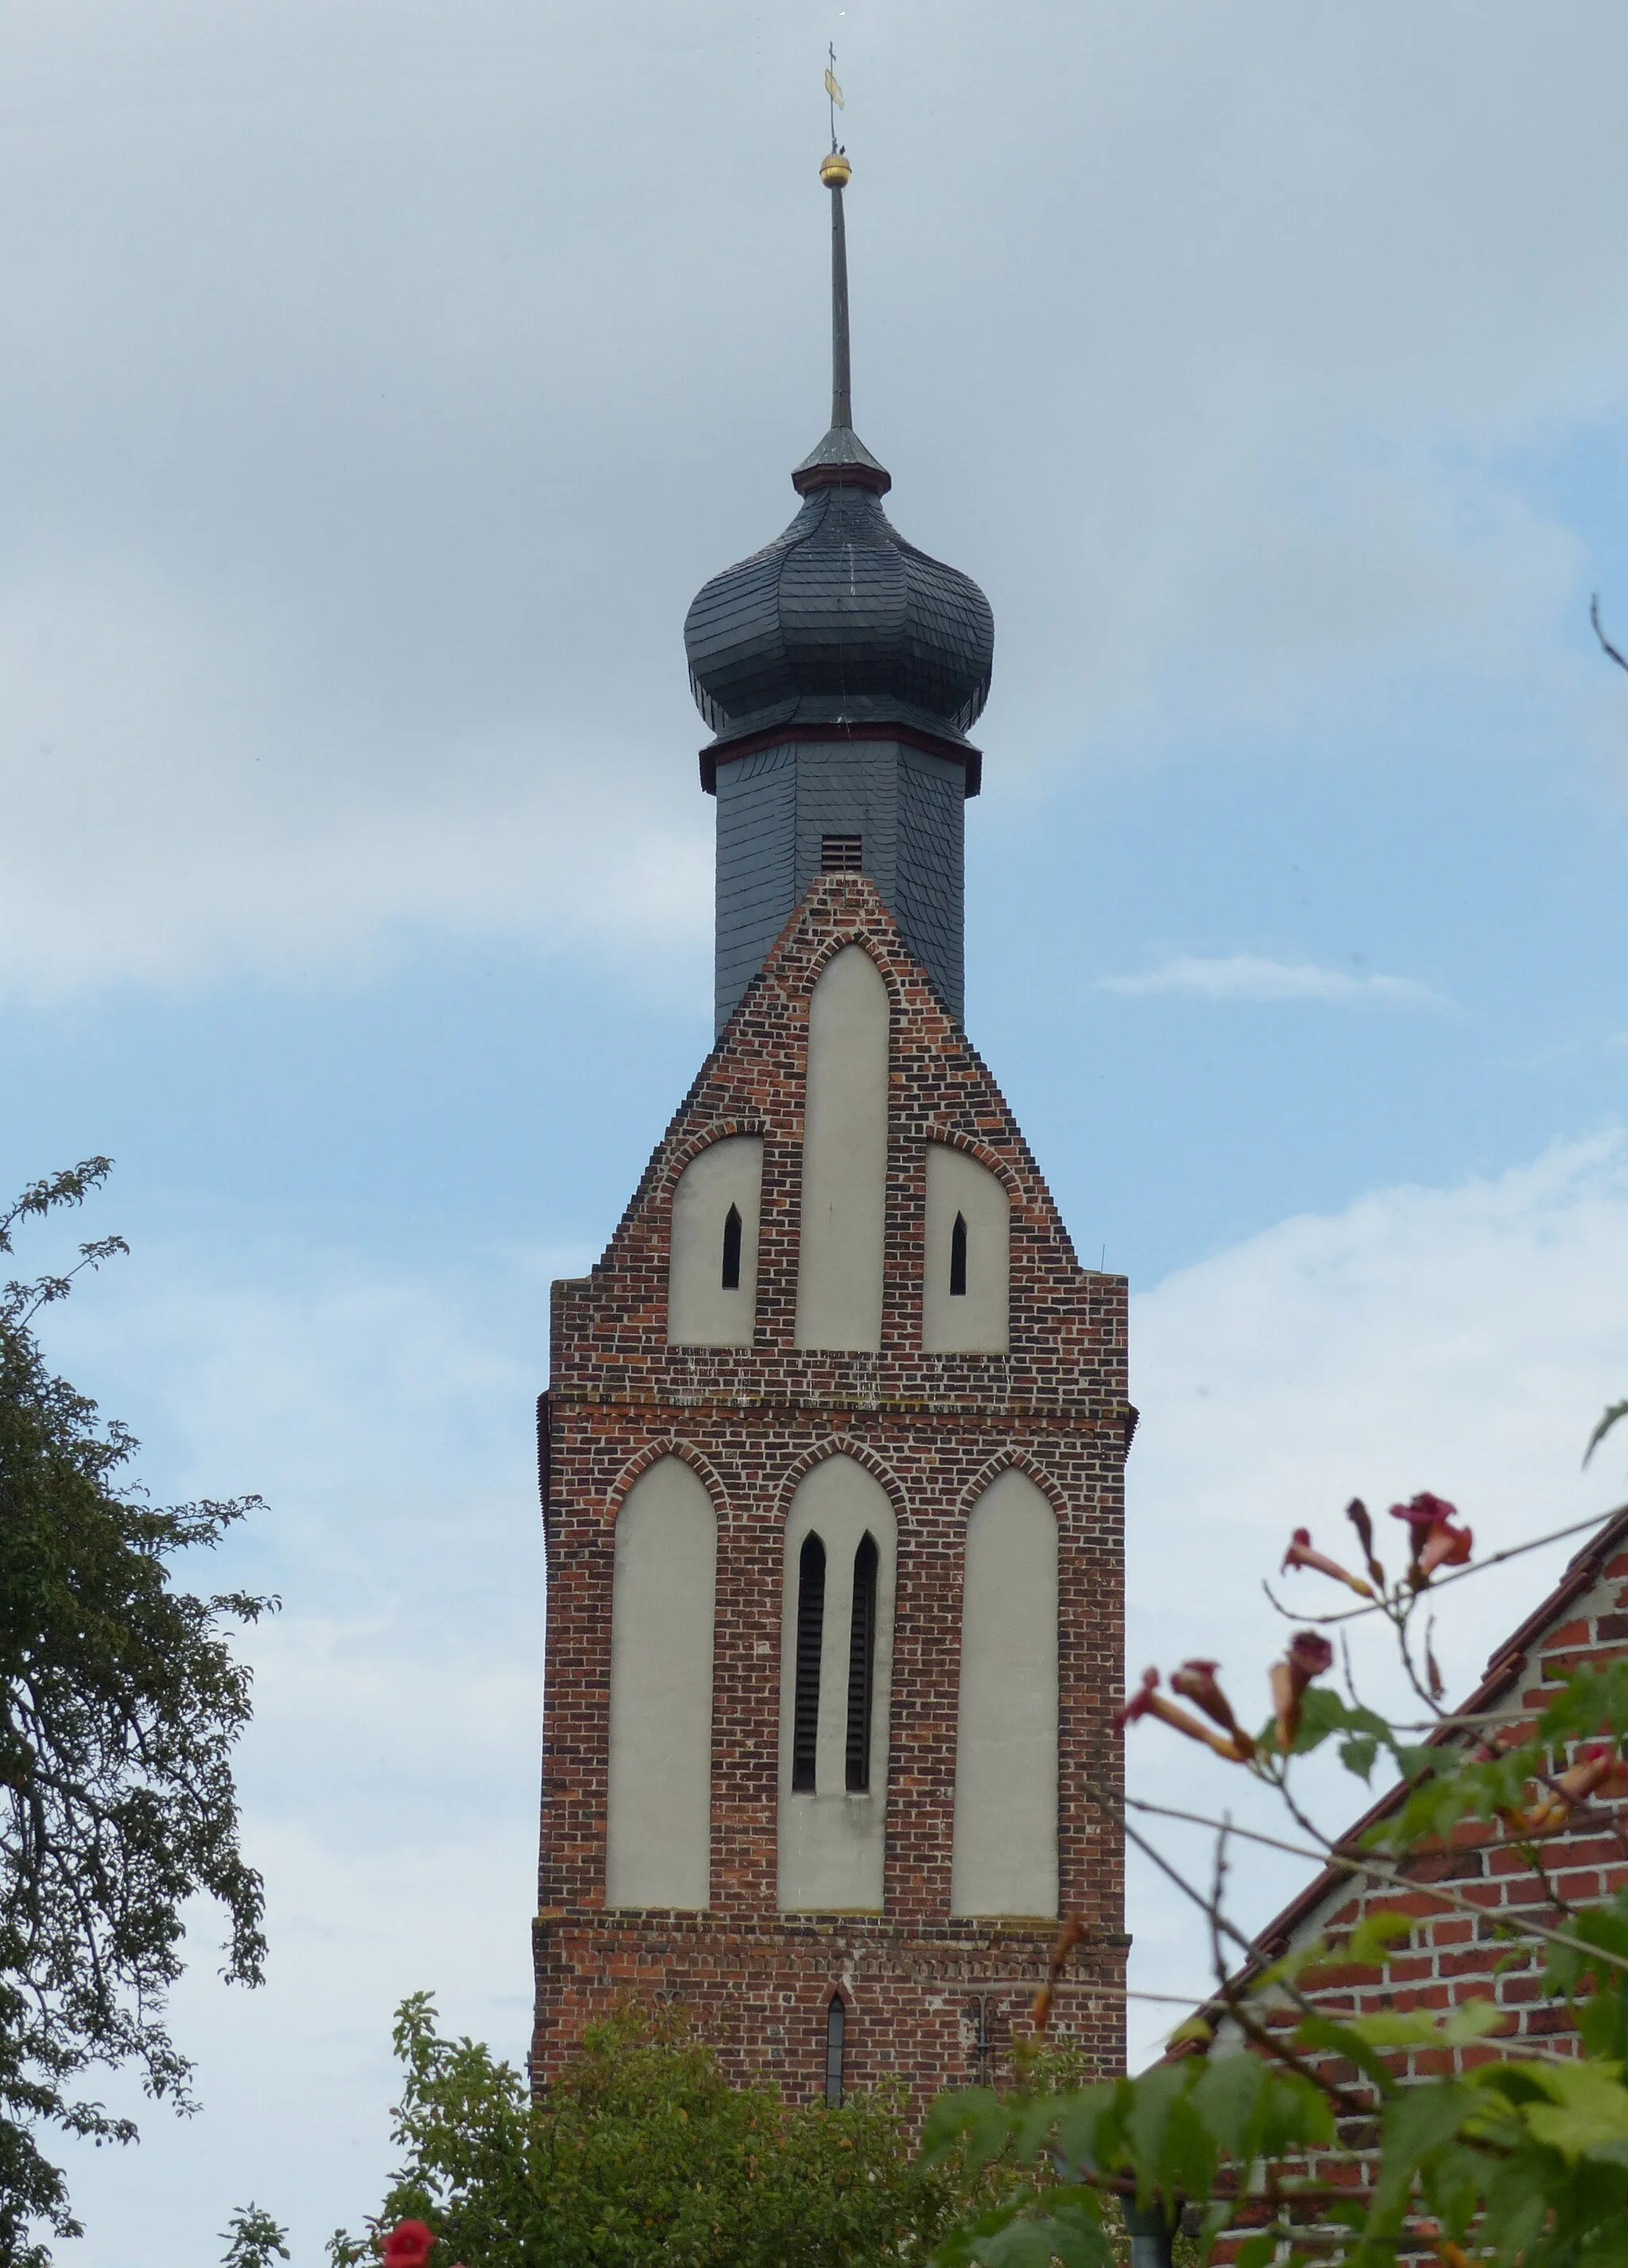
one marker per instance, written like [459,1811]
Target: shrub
[643,2155]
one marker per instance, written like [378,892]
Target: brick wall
[934,1429]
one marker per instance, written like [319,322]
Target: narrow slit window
[958,1258]
[835,2027]
[806,1690]
[861,1666]
[841,854]
[978,2024]
[731,1249]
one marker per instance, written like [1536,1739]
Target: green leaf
[1376,1934]
[1455,2179]
[1091,2125]
[1033,2127]
[1392,2027]
[1187,2165]
[1587,2106]
[1348,2039]
[953,2118]
[1257,2252]
[1516,2207]
[1294,2113]
[1228,2097]
[1357,1753]
[1417,2120]
[1617,1412]
[1074,2239]
[1153,2094]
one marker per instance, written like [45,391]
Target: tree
[120,1706]
[1327,2130]
[642,2155]
[254,2239]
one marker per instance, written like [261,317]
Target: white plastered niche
[1005,1854]
[703,1310]
[658,1811]
[832,1843]
[976,1321]
[839,1279]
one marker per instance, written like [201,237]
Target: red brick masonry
[935,1430]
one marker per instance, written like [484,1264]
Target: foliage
[642,2155]
[255,2239]
[1298,2134]
[120,1703]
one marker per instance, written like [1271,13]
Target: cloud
[1253,977]
[355,507]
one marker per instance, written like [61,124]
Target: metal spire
[835,173]
[840,460]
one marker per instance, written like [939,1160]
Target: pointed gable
[940,1091]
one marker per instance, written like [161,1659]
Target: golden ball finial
[835,171]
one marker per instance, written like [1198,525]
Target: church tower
[833,1446]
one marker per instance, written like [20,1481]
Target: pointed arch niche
[965,1287]
[659,1810]
[839,1277]
[836,1672]
[1005,1854]
[712,1266]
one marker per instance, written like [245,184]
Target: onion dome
[840,623]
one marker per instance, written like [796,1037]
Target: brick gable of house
[1469,1900]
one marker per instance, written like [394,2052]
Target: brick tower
[833,1444]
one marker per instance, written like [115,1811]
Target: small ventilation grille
[841,854]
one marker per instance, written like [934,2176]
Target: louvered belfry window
[732,1250]
[841,854]
[806,1691]
[861,1666]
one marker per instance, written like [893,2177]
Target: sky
[379,384]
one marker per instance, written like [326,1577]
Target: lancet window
[837,1667]
[836,2042]
[713,1263]
[966,1285]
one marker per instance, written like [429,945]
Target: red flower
[1424,1511]
[1195,1681]
[409,2245]
[1309,1655]
[1435,1542]
[1138,1704]
[1594,1766]
[1147,1701]
[1356,1512]
[1301,1554]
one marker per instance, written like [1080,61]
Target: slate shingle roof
[840,621]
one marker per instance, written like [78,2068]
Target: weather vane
[833,91]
